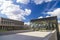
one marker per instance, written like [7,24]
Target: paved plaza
[36,35]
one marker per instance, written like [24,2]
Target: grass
[3,30]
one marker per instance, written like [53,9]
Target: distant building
[9,24]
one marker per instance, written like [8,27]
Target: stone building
[48,23]
[9,24]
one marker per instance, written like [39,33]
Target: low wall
[14,32]
[53,35]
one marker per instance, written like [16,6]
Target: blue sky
[25,10]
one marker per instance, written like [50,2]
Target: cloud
[23,1]
[34,1]
[48,0]
[41,1]
[58,21]
[47,16]
[40,17]
[56,12]
[13,11]
[27,23]
[27,11]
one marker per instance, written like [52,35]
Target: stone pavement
[36,35]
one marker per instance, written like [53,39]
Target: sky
[25,10]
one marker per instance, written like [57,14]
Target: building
[48,23]
[9,24]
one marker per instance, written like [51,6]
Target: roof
[47,18]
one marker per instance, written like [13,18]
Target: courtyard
[35,35]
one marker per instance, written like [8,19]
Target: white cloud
[41,1]
[47,16]
[38,1]
[48,0]
[27,11]
[27,23]
[56,12]
[13,11]
[23,1]
[35,1]
[58,21]
[40,17]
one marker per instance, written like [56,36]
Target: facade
[49,23]
[9,24]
